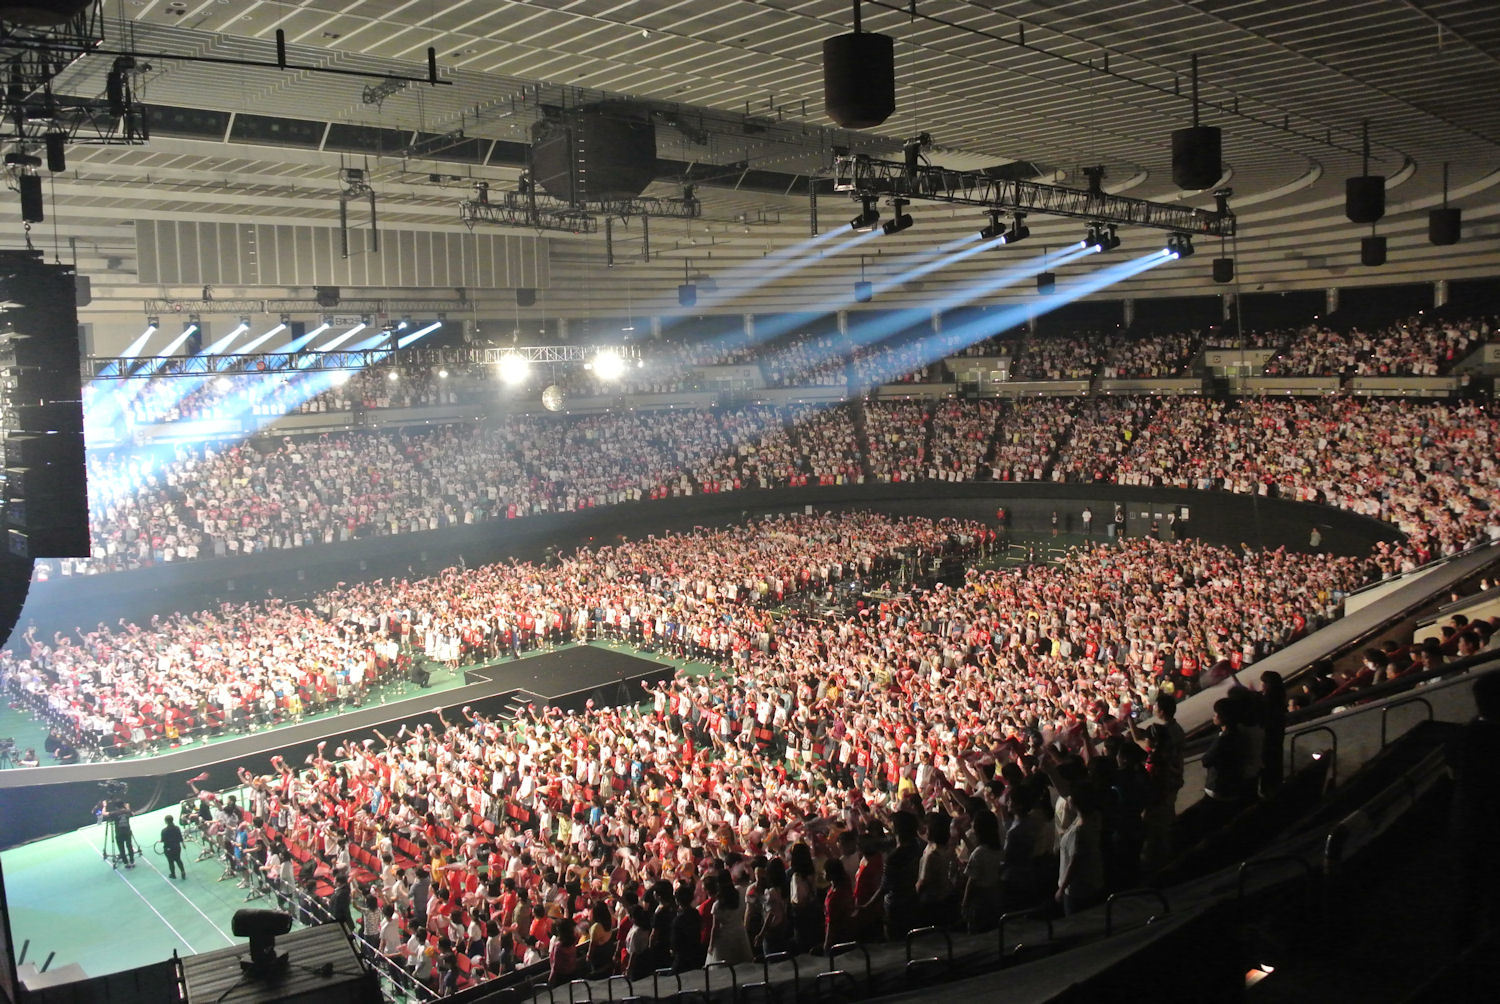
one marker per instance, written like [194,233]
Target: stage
[39,801]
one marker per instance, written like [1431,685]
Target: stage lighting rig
[1102,236]
[1180,245]
[868,216]
[994,229]
[1019,231]
[900,219]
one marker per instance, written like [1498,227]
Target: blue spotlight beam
[742,279]
[133,349]
[418,335]
[939,345]
[884,325]
[778,325]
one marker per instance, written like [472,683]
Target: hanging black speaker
[1372,251]
[1445,225]
[1223,270]
[864,292]
[1046,282]
[525,297]
[1197,157]
[687,294]
[57,157]
[31,198]
[859,79]
[1364,198]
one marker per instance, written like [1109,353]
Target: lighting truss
[34,56]
[373,307]
[866,177]
[271,363]
[516,210]
[543,212]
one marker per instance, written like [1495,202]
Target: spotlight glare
[393,376]
[608,365]
[995,229]
[1179,245]
[514,369]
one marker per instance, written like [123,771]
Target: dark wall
[67,603]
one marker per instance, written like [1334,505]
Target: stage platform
[39,801]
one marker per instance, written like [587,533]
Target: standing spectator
[982,874]
[838,907]
[171,847]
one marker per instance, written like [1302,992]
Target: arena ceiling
[1054,84]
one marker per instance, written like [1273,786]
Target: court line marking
[143,899]
[152,865]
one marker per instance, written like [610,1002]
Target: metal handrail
[777,957]
[656,981]
[1109,905]
[1291,753]
[541,985]
[844,948]
[1045,913]
[1387,709]
[573,998]
[609,986]
[923,932]
[734,982]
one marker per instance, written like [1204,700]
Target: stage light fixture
[514,369]
[261,927]
[1019,231]
[869,215]
[1179,245]
[608,365]
[900,220]
[995,230]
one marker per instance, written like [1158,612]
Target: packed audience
[897,436]
[1153,356]
[1031,431]
[849,780]
[962,436]
[1417,346]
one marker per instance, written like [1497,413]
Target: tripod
[119,843]
[7,758]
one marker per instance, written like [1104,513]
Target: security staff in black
[171,846]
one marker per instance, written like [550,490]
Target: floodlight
[995,229]
[608,365]
[868,216]
[262,927]
[1019,231]
[900,220]
[514,369]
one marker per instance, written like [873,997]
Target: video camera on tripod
[114,812]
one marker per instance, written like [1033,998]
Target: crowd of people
[942,754]
[1416,346]
[1388,458]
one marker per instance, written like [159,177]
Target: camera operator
[115,810]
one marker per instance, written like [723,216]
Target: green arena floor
[65,898]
